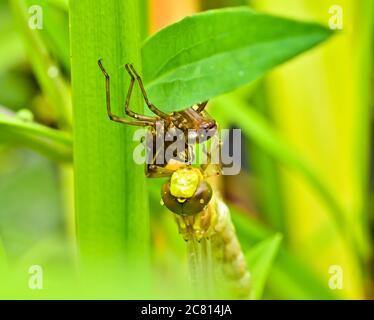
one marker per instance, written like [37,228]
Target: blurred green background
[319,105]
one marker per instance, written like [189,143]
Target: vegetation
[73,201]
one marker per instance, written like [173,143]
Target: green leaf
[53,143]
[260,259]
[111,199]
[62,4]
[216,51]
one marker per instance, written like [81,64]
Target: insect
[203,218]
[210,227]
[194,123]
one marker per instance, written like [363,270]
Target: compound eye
[187,206]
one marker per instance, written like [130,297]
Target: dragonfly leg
[154,169]
[112,116]
[151,106]
[127,102]
[201,106]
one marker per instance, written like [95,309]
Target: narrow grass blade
[266,172]
[290,278]
[260,259]
[111,199]
[50,80]
[363,121]
[55,32]
[53,143]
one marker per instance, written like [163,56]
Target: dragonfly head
[186,192]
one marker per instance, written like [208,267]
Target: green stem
[111,200]
[363,120]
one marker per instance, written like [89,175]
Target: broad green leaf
[260,259]
[216,51]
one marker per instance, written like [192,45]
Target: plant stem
[363,120]
[111,200]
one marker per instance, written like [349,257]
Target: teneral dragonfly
[201,214]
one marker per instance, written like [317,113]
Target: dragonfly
[209,232]
[202,216]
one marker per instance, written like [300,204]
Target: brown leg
[127,102]
[151,106]
[154,170]
[109,111]
[201,106]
